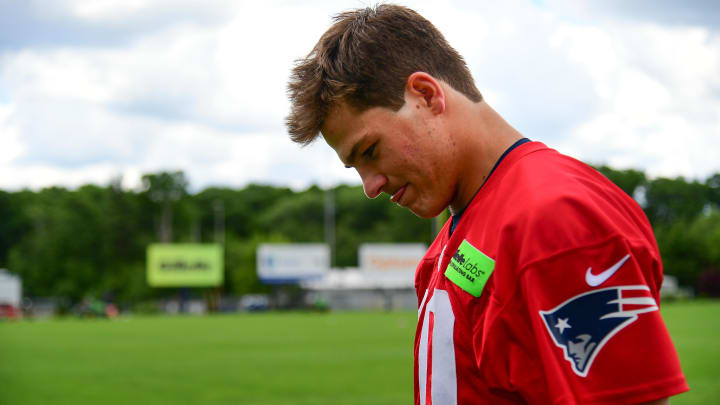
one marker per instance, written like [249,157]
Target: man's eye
[369,151]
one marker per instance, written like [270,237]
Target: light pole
[330,222]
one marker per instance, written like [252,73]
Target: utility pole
[219,210]
[219,236]
[330,223]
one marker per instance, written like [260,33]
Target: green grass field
[275,358]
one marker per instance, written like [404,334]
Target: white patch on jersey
[443,374]
[442,254]
[422,303]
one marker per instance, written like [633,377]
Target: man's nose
[373,182]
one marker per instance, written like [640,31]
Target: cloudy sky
[95,89]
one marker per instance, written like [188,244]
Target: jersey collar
[455,220]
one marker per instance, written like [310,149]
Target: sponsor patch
[470,269]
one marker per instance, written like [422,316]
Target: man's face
[406,154]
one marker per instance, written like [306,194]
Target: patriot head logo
[582,325]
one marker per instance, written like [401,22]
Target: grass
[278,358]
[695,329]
[291,358]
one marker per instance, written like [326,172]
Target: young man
[543,287]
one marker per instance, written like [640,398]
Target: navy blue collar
[456,217]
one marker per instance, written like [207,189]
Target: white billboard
[391,264]
[292,262]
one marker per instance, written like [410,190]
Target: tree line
[91,241]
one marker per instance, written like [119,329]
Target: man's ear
[426,88]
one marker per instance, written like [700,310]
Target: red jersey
[546,292]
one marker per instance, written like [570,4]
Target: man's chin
[426,212]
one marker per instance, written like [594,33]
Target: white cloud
[655,84]
[209,98]
[38,176]
[107,8]
[10,146]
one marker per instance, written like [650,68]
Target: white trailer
[10,289]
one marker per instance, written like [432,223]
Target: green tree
[299,218]
[689,247]
[165,190]
[63,254]
[629,180]
[13,222]
[713,185]
[670,200]
[242,208]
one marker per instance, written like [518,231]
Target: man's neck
[484,136]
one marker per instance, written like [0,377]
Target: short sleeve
[594,314]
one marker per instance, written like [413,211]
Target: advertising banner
[185,265]
[284,263]
[391,264]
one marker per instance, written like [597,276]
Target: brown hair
[364,59]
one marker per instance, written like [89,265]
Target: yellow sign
[184,265]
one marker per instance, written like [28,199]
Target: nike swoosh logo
[595,280]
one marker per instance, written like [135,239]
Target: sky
[98,90]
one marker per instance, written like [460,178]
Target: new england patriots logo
[583,324]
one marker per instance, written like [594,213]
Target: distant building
[384,280]
[10,294]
